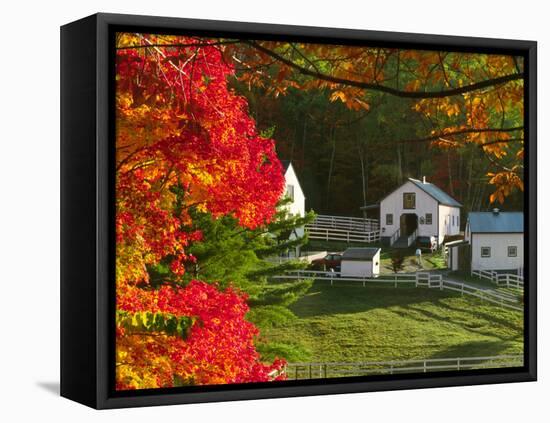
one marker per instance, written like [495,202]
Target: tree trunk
[331,166]
[399,165]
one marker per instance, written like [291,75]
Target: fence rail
[341,369]
[334,234]
[510,280]
[345,222]
[419,279]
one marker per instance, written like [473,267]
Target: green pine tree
[247,260]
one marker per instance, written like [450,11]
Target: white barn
[418,209]
[297,206]
[294,191]
[496,240]
[360,262]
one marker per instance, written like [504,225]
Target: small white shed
[361,262]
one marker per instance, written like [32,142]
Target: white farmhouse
[293,190]
[361,262]
[297,206]
[418,209]
[496,240]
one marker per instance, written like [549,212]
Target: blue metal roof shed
[495,222]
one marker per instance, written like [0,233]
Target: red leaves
[178,123]
[219,348]
[184,139]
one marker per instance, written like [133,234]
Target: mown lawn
[352,323]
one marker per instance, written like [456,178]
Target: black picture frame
[87,210]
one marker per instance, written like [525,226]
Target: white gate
[429,280]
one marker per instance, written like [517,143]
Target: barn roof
[495,222]
[360,254]
[285,163]
[436,192]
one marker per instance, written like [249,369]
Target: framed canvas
[259,211]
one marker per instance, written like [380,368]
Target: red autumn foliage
[179,125]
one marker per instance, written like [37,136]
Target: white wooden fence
[343,228]
[345,222]
[322,370]
[510,280]
[419,279]
[307,257]
[332,234]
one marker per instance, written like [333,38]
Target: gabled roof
[495,222]
[433,191]
[285,163]
[359,254]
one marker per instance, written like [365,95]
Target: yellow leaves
[506,182]
[351,98]
[453,110]
[338,95]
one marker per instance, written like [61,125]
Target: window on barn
[428,218]
[453,219]
[290,191]
[458,221]
[512,251]
[485,251]
[409,200]
[389,219]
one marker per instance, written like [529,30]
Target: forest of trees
[348,157]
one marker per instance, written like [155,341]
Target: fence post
[425,369]
[331,278]
[461,289]
[458,363]
[395,281]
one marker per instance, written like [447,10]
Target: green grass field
[352,323]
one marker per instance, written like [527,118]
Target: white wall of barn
[394,204]
[499,243]
[449,221]
[298,205]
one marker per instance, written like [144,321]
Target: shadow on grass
[474,309]
[474,349]
[325,300]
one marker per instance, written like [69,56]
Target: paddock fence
[323,370]
[509,280]
[343,228]
[419,280]
[345,222]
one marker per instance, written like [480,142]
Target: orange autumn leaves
[184,140]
